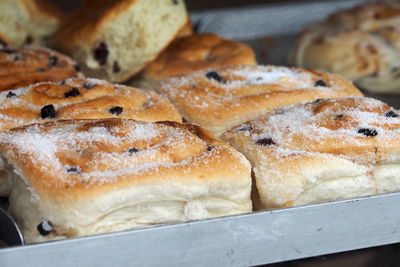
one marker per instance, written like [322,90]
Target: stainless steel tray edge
[241,240]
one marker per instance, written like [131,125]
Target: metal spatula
[10,234]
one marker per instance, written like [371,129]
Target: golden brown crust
[26,65]
[193,53]
[321,150]
[78,173]
[233,94]
[360,43]
[81,99]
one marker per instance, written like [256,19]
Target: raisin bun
[114,39]
[25,65]
[220,98]
[28,21]
[322,151]
[78,99]
[83,177]
[362,44]
[194,53]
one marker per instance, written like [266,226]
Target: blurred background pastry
[193,53]
[361,43]
[114,40]
[28,21]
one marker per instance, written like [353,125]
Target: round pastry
[322,151]
[218,99]
[113,40]
[28,21]
[362,44]
[83,177]
[78,99]
[22,66]
[193,53]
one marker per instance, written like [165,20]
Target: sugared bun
[322,151]
[218,99]
[193,53]
[361,43]
[79,99]
[22,66]
[83,177]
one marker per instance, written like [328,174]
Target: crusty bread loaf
[361,43]
[114,39]
[193,53]
[83,177]
[322,151]
[218,99]
[28,21]
[78,99]
[25,65]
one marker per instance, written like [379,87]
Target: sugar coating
[100,150]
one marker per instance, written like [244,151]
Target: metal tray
[242,240]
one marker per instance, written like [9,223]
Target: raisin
[212,75]
[390,114]
[317,100]
[44,228]
[88,85]
[133,150]
[116,110]
[7,50]
[339,116]
[48,111]
[320,83]
[367,132]
[265,142]
[53,60]
[101,53]
[17,57]
[78,68]
[41,69]
[28,39]
[116,67]
[209,148]
[74,92]
[10,95]
[73,170]
[175,2]
[244,128]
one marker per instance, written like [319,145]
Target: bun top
[361,129]
[196,52]
[81,99]
[22,66]
[64,159]
[220,98]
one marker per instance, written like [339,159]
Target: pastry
[28,21]
[83,177]
[78,99]
[193,53]
[25,65]
[323,150]
[218,99]
[115,39]
[361,43]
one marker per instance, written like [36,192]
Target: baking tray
[248,239]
